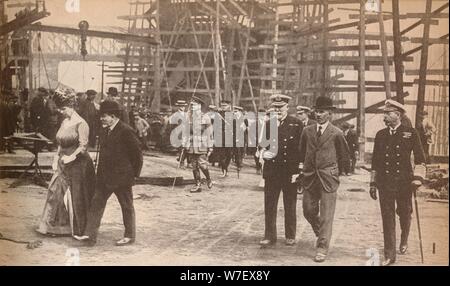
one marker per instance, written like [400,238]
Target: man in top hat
[120,162]
[426,130]
[89,113]
[39,112]
[224,152]
[303,113]
[113,94]
[392,175]
[323,153]
[9,113]
[352,142]
[199,144]
[280,164]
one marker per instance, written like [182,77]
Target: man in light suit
[120,162]
[323,153]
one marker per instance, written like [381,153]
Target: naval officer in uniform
[393,176]
[280,164]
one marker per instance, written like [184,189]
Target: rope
[30,244]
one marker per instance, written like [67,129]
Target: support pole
[362,82]
[217,56]
[423,64]
[398,59]
[384,53]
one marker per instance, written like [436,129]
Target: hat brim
[325,107]
[278,104]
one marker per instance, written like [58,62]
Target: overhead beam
[92,33]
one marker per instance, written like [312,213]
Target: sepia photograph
[224,133]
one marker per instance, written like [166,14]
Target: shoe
[209,183]
[125,241]
[320,257]
[81,238]
[266,242]
[196,189]
[403,249]
[387,262]
[290,241]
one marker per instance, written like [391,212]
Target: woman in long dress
[73,183]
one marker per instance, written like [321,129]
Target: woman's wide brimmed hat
[64,98]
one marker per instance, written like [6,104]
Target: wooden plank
[361,95]
[433,82]
[423,70]
[398,60]
[422,15]
[412,51]
[427,103]
[431,41]
[92,33]
[428,72]
[418,23]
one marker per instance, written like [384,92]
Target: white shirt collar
[395,128]
[114,125]
[324,126]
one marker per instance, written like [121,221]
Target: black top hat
[109,106]
[324,103]
[112,91]
[43,91]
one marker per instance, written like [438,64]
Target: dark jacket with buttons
[392,156]
[120,158]
[286,146]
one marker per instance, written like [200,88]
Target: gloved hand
[373,192]
[417,183]
[268,155]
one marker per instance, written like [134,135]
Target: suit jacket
[392,156]
[352,141]
[323,157]
[285,163]
[39,113]
[120,158]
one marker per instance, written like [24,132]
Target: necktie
[393,131]
[319,132]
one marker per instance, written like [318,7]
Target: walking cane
[178,167]
[416,186]
[97,149]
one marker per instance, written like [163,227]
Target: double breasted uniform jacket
[323,157]
[391,156]
[120,159]
[286,146]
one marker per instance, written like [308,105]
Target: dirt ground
[221,226]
